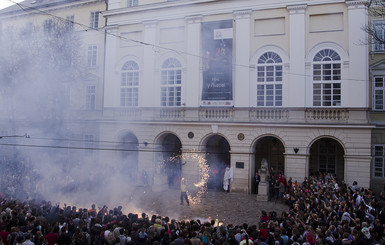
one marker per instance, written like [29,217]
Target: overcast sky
[6,3]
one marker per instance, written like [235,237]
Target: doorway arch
[170,156]
[129,144]
[327,156]
[217,150]
[272,149]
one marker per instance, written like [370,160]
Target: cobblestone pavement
[231,208]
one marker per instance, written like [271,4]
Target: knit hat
[366,232]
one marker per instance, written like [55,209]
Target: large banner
[217,47]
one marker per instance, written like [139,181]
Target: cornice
[297,9]
[242,14]
[193,19]
[357,3]
[150,23]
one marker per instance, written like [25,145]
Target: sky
[6,3]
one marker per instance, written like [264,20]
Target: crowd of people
[321,211]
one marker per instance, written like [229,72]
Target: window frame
[129,88]
[92,55]
[70,21]
[382,157]
[91,97]
[89,143]
[328,66]
[269,60]
[375,25]
[94,19]
[374,95]
[171,83]
[132,3]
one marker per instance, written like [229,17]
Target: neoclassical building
[239,81]
[230,82]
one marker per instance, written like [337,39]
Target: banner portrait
[217,47]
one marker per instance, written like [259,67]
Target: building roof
[33,4]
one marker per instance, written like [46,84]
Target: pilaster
[111,84]
[242,58]
[357,87]
[191,87]
[149,85]
[297,46]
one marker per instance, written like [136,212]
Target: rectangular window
[269,95]
[326,94]
[92,55]
[171,96]
[378,36]
[89,143]
[129,96]
[70,22]
[48,25]
[132,3]
[378,93]
[94,20]
[90,97]
[379,159]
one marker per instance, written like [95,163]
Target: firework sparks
[203,173]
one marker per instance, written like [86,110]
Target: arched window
[171,80]
[129,84]
[269,80]
[327,78]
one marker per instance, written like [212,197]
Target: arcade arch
[272,149]
[169,154]
[217,150]
[129,157]
[327,156]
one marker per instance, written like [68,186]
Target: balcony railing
[240,115]
[327,114]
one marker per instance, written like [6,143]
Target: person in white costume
[227,178]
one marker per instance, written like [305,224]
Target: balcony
[240,115]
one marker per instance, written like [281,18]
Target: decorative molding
[193,19]
[357,3]
[112,28]
[241,136]
[242,14]
[297,9]
[150,23]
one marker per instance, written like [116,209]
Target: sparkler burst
[200,185]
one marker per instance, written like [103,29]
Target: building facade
[241,81]
[230,83]
[377,72]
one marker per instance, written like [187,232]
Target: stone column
[297,55]
[242,84]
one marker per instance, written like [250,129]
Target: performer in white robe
[229,175]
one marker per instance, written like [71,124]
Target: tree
[376,31]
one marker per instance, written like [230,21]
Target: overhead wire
[86,28]
[106,31]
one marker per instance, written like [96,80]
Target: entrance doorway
[271,149]
[327,156]
[218,158]
[129,143]
[171,155]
